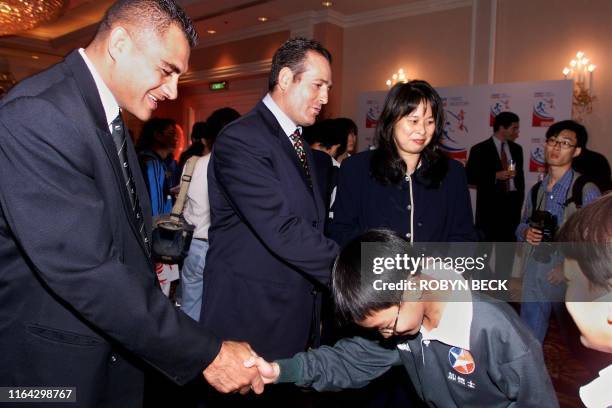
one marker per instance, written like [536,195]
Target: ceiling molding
[301,23]
[29,45]
[227,72]
[208,40]
[404,10]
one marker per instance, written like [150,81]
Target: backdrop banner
[470,111]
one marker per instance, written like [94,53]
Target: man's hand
[269,372]
[505,175]
[228,373]
[533,236]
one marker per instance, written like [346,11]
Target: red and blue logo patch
[461,360]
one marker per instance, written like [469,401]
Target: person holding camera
[550,202]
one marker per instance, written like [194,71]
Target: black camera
[547,224]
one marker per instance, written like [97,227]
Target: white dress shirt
[111,108]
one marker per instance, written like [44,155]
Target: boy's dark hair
[588,233]
[386,165]
[328,134]
[577,128]
[292,54]
[353,289]
[157,15]
[505,120]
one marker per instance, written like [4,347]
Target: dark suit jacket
[81,305]
[324,168]
[494,206]
[267,250]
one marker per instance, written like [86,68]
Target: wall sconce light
[400,76]
[581,71]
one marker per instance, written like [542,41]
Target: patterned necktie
[120,139]
[504,163]
[298,145]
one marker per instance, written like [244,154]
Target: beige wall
[434,47]
[332,37]
[237,52]
[536,39]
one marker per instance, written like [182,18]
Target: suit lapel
[95,109]
[285,143]
[288,149]
[494,153]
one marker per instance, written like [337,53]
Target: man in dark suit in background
[81,305]
[495,168]
[268,255]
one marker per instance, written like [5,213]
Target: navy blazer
[483,163]
[441,214]
[267,249]
[81,304]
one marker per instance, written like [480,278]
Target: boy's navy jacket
[503,368]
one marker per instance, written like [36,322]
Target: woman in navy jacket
[405,185]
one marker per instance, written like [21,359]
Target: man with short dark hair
[495,168]
[268,255]
[589,163]
[556,198]
[81,304]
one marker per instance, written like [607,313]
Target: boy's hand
[269,372]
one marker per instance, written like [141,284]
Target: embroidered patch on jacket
[403,346]
[461,360]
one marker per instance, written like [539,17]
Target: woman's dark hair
[207,131]
[386,166]
[197,147]
[147,140]
[216,122]
[197,131]
[353,283]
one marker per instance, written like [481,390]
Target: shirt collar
[456,321]
[562,182]
[497,143]
[286,123]
[454,326]
[111,108]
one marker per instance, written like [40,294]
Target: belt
[202,239]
